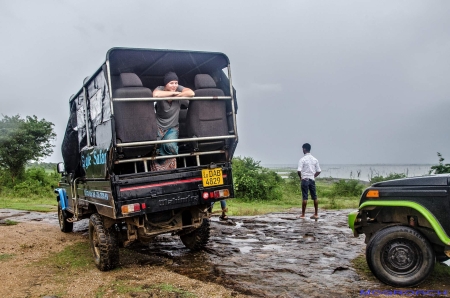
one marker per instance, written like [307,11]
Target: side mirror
[60,168]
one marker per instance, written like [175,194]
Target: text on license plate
[212,177]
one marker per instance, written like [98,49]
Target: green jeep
[407,227]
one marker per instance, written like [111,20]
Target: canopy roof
[152,64]
[156,62]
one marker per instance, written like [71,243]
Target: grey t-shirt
[167,114]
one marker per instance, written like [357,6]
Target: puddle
[245,249]
[242,240]
[272,247]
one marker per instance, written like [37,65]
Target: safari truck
[111,140]
[407,226]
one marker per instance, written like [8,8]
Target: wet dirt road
[274,255]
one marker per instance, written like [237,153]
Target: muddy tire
[400,256]
[64,225]
[103,244]
[197,239]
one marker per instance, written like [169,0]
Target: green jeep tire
[400,256]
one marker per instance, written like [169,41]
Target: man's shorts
[311,185]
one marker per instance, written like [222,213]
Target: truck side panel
[99,194]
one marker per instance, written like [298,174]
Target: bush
[441,168]
[346,188]
[254,182]
[292,183]
[391,176]
[34,183]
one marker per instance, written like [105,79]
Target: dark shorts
[308,184]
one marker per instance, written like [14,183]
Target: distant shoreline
[351,165]
[363,172]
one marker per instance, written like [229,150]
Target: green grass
[5,257]
[29,204]
[291,198]
[168,288]
[239,207]
[122,287]
[360,264]
[9,223]
[75,256]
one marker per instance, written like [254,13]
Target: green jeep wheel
[400,256]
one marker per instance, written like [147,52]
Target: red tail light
[131,208]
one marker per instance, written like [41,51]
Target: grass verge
[5,257]
[122,287]
[72,257]
[29,204]
[9,223]
[291,198]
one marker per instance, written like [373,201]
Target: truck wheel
[197,239]
[103,244]
[64,225]
[400,256]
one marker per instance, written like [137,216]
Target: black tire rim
[401,257]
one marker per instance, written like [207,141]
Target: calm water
[361,172]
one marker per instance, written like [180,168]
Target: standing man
[308,169]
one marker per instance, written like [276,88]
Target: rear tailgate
[159,191]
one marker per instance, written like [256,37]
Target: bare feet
[315,216]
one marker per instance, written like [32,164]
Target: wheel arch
[399,213]
[61,197]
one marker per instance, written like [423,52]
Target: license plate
[212,177]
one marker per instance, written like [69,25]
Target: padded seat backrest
[135,120]
[207,118]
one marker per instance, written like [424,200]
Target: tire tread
[197,239]
[109,250]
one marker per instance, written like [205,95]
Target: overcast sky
[362,81]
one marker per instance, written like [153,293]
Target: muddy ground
[275,255]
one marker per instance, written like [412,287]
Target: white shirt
[308,165]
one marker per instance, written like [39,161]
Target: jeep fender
[442,235]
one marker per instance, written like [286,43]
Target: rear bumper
[166,202]
[156,192]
